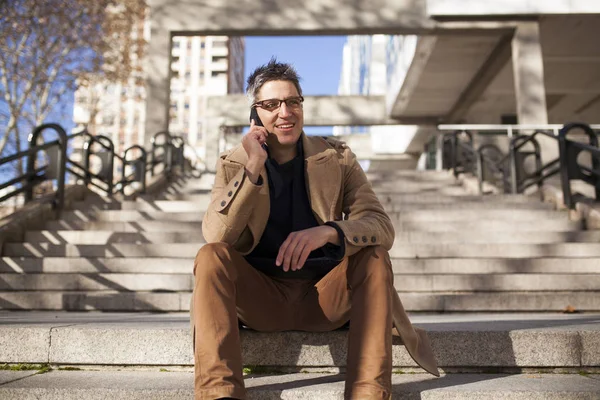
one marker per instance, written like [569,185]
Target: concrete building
[536,62]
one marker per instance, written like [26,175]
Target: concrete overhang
[233,110]
[449,72]
[469,77]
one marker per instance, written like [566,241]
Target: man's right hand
[252,143]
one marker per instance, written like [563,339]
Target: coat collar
[323,177]
[313,146]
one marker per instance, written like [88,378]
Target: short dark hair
[273,71]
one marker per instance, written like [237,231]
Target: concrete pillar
[530,90]
[158,85]
[211,140]
[528,69]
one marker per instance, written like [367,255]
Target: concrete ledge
[152,385]
[468,340]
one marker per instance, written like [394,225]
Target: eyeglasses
[294,103]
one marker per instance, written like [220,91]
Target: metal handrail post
[62,162]
[513,169]
[165,147]
[140,172]
[111,160]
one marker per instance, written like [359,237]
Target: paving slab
[12,376]
[132,385]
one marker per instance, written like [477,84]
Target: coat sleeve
[233,199]
[365,221]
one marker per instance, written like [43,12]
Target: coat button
[236,184]
[373,239]
[223,203]
[355,239]
[364,239]
[230,193]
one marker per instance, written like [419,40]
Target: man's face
[285,122]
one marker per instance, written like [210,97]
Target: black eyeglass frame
[279,101]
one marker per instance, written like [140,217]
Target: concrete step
[400,250]
[116,300]
[96,237]
[193,207]
[484,226]
[461,342]
[436,198]
[139,205]
[201,201]
[154,385]
[127,226]
[391,188]
[481,226]
[157,263]
[107,236]
[177,282]
[181,265]
[403,216]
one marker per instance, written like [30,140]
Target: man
[297,240]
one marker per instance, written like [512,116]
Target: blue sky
[318,60]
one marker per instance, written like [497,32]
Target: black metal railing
[570,166]
[169,153]
[522,167]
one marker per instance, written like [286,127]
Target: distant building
[373,65]
[116,110]
[201,66]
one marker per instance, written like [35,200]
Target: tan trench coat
[336,186]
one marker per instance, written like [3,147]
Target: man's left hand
[298,245]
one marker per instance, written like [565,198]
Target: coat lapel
[323,177]
[262,208]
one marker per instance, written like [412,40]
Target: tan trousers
[226,288]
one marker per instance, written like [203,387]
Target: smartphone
[254,116]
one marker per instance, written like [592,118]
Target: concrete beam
[234,110]
[486,74]
[308,17]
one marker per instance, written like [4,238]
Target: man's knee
[377,265]
[209,259]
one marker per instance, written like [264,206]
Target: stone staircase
[467,256]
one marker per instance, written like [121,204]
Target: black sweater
[290,212]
